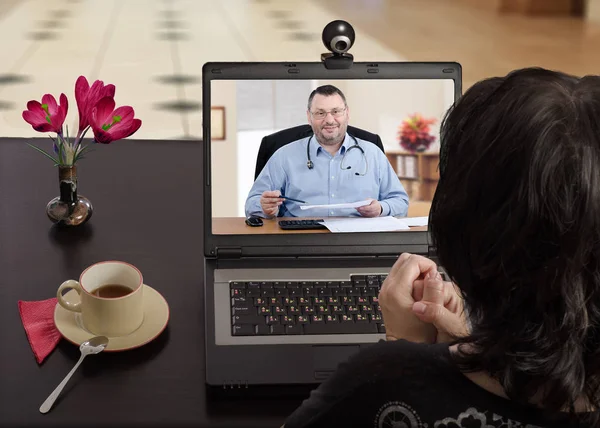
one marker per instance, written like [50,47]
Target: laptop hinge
[228,253]
[431,251]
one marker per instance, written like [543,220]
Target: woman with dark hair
[516,223]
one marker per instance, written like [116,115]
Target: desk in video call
[238,226]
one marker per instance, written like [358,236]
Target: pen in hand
[291,199]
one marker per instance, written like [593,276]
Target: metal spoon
[93,346]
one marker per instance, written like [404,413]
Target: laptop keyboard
[301,224]
[261,308]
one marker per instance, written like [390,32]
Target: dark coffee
[111,291]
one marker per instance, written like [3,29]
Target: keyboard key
[340,328]
[323,310]
[381,328]
[290,301]
[361,318]
[243,330]
[278,329]
[253,285]
[354,292]
[308,310]
[294,329]
[238,293]
[315,319]
[333,284]
[237,285]
[268,292]
[288,320]
[263,329]
[348,300]
[295,292]
[332,318]
[280,310]
[319,301]
[293,310]
[259,301]
[253,293]
[282,292]
[376,318]
[279,284]
[325,291]
[272,319]
[265,310]
[337,309]
[243,310]
[248,319]
[302,319]
[239,300]
[266,285]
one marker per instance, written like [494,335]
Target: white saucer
[156,317]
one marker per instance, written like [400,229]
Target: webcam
[338,37]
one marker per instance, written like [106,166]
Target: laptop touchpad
[327,358]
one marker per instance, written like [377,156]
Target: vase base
[64,214]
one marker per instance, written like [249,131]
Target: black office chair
[271,143]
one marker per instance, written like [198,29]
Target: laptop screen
[359,149]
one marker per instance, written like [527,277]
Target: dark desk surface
[147,210]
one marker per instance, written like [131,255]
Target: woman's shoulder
[401,358]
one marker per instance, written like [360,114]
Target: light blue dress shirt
[327,183]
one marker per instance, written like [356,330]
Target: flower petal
[51,102]
[102,111]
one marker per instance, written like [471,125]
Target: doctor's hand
[372,210]
[270,202]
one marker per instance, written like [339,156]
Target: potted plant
[414,133]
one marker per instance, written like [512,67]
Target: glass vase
[69,209]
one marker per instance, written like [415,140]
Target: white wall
[224,153]
[248,144]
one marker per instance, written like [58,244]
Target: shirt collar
[315,147]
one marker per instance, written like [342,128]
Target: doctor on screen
[327,168]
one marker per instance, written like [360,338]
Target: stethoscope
[310,165]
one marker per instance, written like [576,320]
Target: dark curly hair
[516,223]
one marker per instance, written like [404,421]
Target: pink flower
[47,116]
[111,125]
[87,98]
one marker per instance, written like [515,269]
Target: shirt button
[333,177]
[331,213]
[332,195]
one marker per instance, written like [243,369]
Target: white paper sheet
[337,206]
[415,221]
[364,224]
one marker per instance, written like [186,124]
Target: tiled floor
[152,50]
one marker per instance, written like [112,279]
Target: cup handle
[71,283]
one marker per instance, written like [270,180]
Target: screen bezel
[307,244]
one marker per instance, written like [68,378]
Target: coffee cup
[111,300]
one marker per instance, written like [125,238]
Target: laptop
[286,306]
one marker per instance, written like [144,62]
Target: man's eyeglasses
[320,114]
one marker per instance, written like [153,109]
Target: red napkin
[38,320]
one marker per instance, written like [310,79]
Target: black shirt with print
[401,384]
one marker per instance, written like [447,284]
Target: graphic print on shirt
[473,418]
[396,414]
